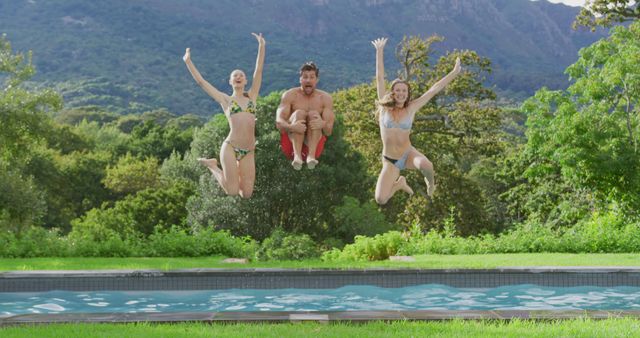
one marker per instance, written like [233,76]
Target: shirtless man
[305,118]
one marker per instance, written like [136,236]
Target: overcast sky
[569,2]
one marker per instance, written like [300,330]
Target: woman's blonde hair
[389,100]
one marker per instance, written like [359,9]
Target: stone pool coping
[320,316]
[120,272]
[274,278]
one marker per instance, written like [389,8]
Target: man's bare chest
[307,104]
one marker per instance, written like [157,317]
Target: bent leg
[313,137]
[297,139]
[230,179]
[212,165]
[390,181]
[417,160]
[247,170]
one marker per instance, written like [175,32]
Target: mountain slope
[127,55]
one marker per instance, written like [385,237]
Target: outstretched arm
[379,44]
[418,103]
[217,95]
[257,73]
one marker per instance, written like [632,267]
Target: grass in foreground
[456,328]
[422,261]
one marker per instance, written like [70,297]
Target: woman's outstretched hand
[187,55]
[379,43]
[457,68]
[259,38]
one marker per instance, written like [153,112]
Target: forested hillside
[125,56]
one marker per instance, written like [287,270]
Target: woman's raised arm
[217,95]
[380,84]
[418,103]
[257,74]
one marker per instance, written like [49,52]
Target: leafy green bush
[96,240]
[139,213]
[607,232]
[602,232]
[178,242]
[366,248]
[100,224]
[33,242]
[174,242]
[529,237]
[355,218]
[220,242]
[283,246]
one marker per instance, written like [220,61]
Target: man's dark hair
[309,65]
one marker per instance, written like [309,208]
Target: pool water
[349,298]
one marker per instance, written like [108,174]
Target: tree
[413,53]
[131,174]
[158,116]
[75,116]
[21,203]
[605,13]
[23,113]
[23,126]
[106,138]
[68,182]
[151,139]
[186,121]
[582,148]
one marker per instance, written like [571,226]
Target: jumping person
[237,176]
[396,112]
[305,118]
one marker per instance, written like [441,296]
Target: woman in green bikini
[238,172]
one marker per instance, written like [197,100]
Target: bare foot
[402,182]
[210,163]
[311,163]
[297,163]
[430,187]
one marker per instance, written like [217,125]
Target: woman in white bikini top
[396,112]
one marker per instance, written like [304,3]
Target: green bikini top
[235,108]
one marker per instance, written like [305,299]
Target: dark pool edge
[320,316]
[337,271]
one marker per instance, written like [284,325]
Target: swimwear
[240,152]
[400,163]
[389,122]
[287,147]
[236,108]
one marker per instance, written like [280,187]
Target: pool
[348,298]
[318,294]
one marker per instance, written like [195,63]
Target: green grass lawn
[422,261]
[456,328]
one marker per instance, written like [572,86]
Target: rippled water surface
[349,298]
